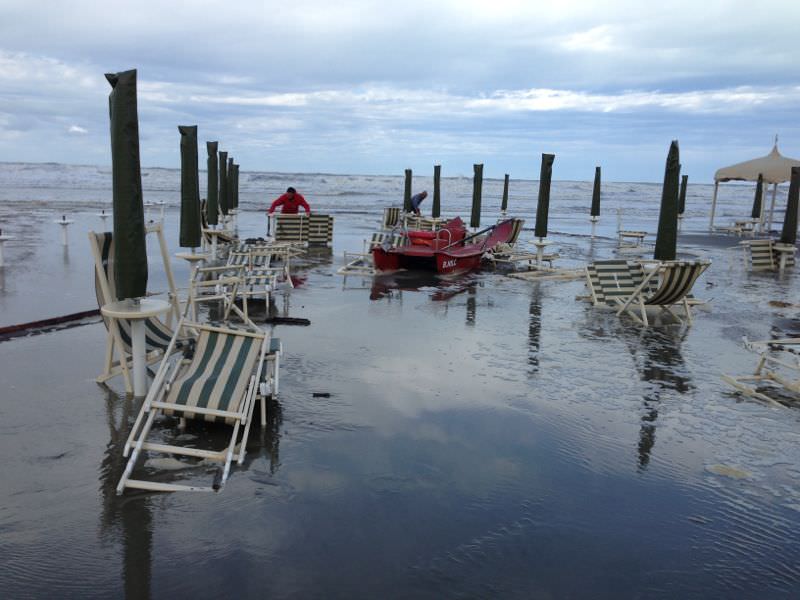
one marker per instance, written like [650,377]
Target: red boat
[444,251]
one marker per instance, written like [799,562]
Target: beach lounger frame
[770,368]
[118,360]
[224,372]
[675,282]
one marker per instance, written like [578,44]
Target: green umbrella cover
[231,200]
[190,188]
[130,249]
[595,211]
[407,193]
[667,236]
[789,232]
[212,203]
[543,203]
[477,189]
[236,186]
[223,183]
[504,203]
[682,194]
[757,200]
[436,209]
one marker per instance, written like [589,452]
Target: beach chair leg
[688,310]
[229,455]
[136,449]
[644,312]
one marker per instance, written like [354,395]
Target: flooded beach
[467,437]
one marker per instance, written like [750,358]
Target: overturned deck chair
[777,359]
[675,280]
[360,263]
[220,383]
[118,344]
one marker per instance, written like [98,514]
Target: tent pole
[713,206]
[772,205]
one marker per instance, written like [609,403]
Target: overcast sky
[376,87]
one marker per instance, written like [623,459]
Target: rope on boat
[45,325]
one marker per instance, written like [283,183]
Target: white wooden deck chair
[118,343]
[675,281]
[778,366]
[760,254]
[320,230]
[220,383]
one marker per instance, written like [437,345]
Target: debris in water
[320,394]
[727,471]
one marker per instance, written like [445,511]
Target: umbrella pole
[713,205]
[772,205]
[594,225]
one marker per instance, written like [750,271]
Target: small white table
[64,222]
[136,311]
[785,250]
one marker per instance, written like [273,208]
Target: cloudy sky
[375,87]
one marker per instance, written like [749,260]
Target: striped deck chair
[220,383]
[675,280]
[119,340]
[777,358]
[611,279]
[391,217]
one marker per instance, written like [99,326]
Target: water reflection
[471,304]
[534,329]
[657,356]
[128,515]
[65,255]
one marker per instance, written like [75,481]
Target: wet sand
[483,437]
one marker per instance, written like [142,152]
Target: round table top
[64,222]
[128,309]
[192,256]
[784,247]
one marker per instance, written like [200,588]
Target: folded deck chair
[675,281]
[771,369]
[220,383]
[118,343]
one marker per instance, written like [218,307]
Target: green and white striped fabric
[611,279]
[218,375]
[676,279]
[391,217]
[157,334]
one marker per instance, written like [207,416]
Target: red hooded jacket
[289,205]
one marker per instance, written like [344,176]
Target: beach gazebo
[774,167]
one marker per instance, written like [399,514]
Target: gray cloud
[374,87]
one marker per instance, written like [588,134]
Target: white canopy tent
[774,167]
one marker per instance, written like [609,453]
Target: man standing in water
[290,202]
[416,200]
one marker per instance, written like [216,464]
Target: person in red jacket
[290,202]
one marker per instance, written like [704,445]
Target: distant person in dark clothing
[290,202]
[416,200]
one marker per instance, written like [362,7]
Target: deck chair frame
[155,404]
[768,368]
[117,360]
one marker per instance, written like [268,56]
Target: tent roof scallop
[775,167]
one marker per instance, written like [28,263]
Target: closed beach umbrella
[682,195]
[436,209]
[212,204]
[190,188]
[407,192]
[667,236]
[477,189]
[504,203]
[543,203]
[756,212]
[595,212]
[223,183]
[231,176]
[235,186]
[130,250]
[789,233]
